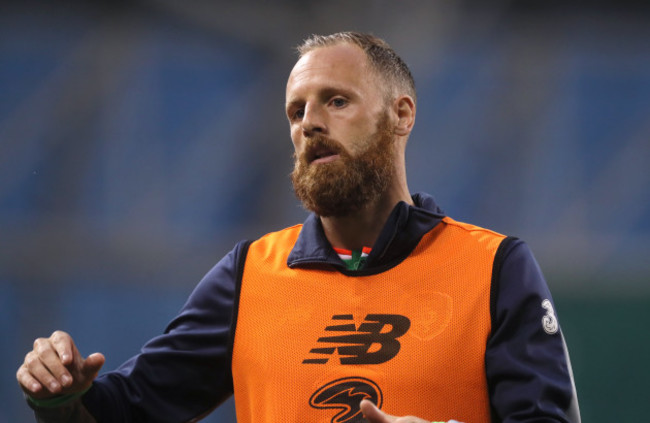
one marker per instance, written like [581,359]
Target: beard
[348,184]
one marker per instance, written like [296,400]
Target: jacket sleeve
[185,373]
[527,363]
[72,412]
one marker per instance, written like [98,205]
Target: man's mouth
[321,155]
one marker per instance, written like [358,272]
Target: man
[377,306]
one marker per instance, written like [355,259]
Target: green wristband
[57,401]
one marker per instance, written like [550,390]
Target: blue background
[140,140]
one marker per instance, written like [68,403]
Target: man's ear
[404,109]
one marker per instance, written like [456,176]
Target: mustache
[317,145]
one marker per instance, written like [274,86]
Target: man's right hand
[55,367]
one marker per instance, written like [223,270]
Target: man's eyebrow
[324,93]
[293,104]
[336,90]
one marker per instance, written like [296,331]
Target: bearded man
[377,306]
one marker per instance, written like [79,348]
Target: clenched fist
[55,367]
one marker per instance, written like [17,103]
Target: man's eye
[299,114]
[339,102]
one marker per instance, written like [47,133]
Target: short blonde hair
[381,57]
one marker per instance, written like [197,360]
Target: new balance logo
[355,347]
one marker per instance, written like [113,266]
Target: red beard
[346,185]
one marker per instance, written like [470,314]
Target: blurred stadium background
[139,140]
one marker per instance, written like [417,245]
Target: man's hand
[375,415]
[55,367]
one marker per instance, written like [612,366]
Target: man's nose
[314,120]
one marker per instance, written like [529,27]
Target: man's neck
[362,228]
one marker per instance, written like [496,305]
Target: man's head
[351,107]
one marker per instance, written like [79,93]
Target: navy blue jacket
[186,372]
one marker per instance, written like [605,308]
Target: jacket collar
[403,229]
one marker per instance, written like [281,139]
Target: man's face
[340,130]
